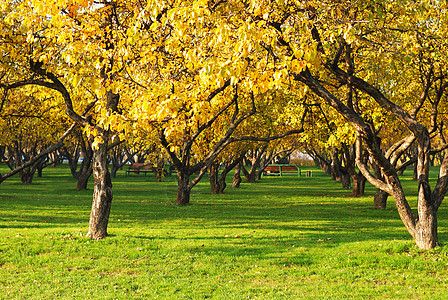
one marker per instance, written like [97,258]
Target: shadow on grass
[39,221]
[313,212]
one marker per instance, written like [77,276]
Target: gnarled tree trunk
[27,175]
[83,177]
[215,184]
[183,188]
[237,176]
[218,181]
[102,193]
[85,170]
[359,184]
[380,199]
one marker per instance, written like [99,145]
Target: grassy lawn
[280,238]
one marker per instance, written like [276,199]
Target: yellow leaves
[76,80]
[297,66]
[280,77]
[74,6]
[220,81]
[198,4]
[32,116]
[97,141]
[154,26]
[174,149]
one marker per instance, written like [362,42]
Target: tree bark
[83,178]
[345,181]
[158,171]
[250,177]
[320,161]
[349,158]
[183,189]
[85,170]
[338,172]
[222,181]
[102,193]
[40,166]
[120,156]
[255,158]
[427,237]
[27,175]
[359,183]
[218,181]
[113,170]
[215,184]
[380,199]
[424,227]
[237,176]
[335,171]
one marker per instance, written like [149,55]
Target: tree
[346,35]
[80,146]
[189,84]
[53,45]
[31,122]
[217,179]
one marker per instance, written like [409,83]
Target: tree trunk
[320,161]
[237,176]
[255,158]
[359,184]
[219,180]
[222,182]
[73,163]
[83,178]
[2,153]
[120,156]
[40,166]
[85,169]
[249,176]
[380,199]
[345,181]
[422,227]
[102,193]
[215,187]
[334,172]
[426,236]
[113,170]
[26,175]
[183,189]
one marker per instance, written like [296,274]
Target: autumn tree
[187,83]
[68,47]
[32,123]
[354,45]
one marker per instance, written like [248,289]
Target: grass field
[280,238]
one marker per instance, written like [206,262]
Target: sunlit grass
[281,238]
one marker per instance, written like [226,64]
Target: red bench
[281,170]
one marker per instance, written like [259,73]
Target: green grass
[281,238]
